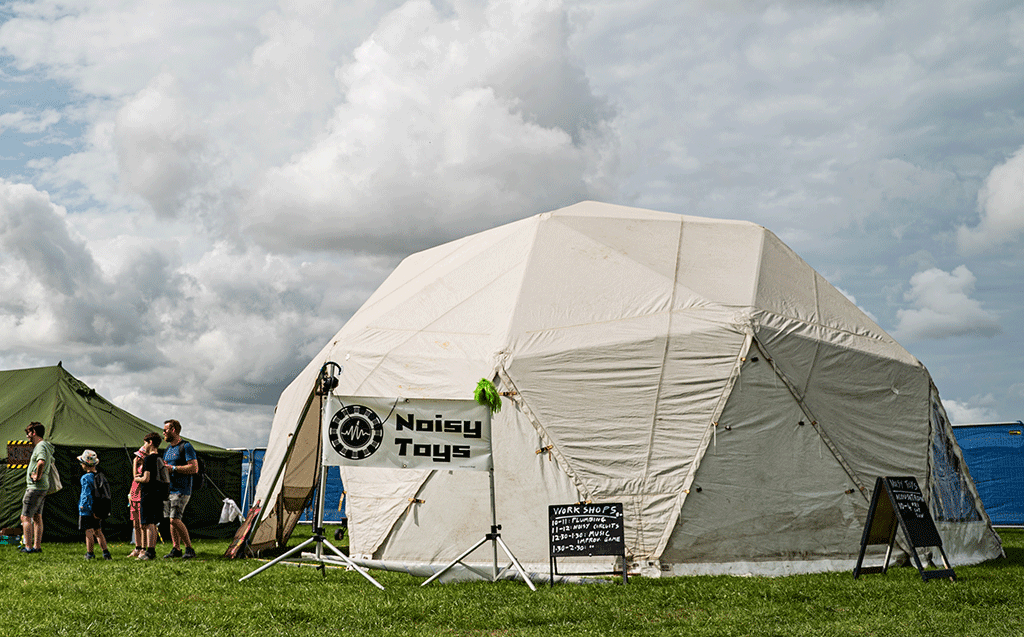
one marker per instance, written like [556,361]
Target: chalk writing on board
[585,529]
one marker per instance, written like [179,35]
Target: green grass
[59,593]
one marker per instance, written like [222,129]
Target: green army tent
[77,418]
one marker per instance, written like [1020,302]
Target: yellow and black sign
[19,452]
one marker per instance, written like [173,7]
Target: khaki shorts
[175,505]
[32,503]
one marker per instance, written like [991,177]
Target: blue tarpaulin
[334,495]
[995,459]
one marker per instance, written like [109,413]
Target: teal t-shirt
[44,451]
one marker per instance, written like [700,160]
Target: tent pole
[494,525]
[318,515]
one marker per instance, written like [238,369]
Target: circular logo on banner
[356,432]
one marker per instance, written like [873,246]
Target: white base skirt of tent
[478,573]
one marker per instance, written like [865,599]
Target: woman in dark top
[152,506]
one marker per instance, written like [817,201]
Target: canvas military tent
[77,418]
[695,370]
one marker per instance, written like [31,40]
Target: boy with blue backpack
[93,504]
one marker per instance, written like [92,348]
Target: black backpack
[162,479]
[199,479]
[101,496]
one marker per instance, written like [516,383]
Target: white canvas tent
[696,370]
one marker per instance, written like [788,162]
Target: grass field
[59,593]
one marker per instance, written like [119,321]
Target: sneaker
[175,552]
[189,553]
[24,549]
[106,555]
[35,550]
[90,556]
[134,553]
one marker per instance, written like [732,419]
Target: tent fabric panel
[769,489]
[572,280]
[26,395]
[953,497]
[788,286]
[872,408]
[587,399]
[291,409]
[697,372]
[376,499]
[436,280]
[650,243]
[718,259]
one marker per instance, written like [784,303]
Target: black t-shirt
[150,463]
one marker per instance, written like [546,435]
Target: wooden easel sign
[898,503]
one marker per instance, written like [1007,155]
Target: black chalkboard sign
[584,530]
[897,503]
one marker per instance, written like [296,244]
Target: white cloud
[158,146]
[29,122]
[1001,206]
[448,125]
[977,410]
[943,307]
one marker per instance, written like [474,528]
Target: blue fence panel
[995,458]
[334,496]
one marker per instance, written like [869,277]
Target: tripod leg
[454,562]
[348,561]
[519,567]
[279,559]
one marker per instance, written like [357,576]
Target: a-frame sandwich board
[898,503]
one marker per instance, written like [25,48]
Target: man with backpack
[93,504]
[180,459]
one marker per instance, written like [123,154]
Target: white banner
[406,433]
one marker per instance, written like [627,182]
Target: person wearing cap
[135,503]
[88,521]
[37,478]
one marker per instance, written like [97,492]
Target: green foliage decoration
[486,394]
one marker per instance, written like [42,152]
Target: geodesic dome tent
[695,370]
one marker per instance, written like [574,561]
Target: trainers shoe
[174,553]
[106,555]
[144,557]
[90,556]
[35,550]
[24,549]
[189,553]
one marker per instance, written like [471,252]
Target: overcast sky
[195,195]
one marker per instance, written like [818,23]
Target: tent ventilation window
[951,497]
